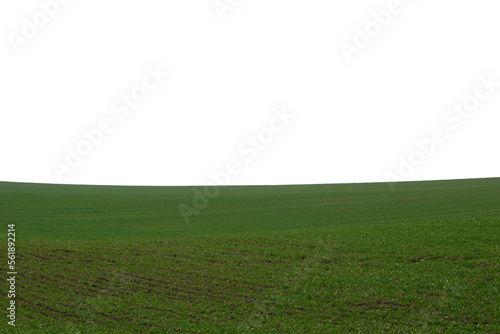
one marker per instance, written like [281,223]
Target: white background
[353,119]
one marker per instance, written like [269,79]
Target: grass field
[281,259]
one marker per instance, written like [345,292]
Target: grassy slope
[315,262]
[54,212]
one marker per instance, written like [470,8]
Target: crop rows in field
[420,276]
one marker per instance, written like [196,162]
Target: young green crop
[63,212]
[284,259]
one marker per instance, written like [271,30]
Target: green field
[263,259]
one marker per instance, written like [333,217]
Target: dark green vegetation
[302,259]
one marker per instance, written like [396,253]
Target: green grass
[61,212]
[276,259]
